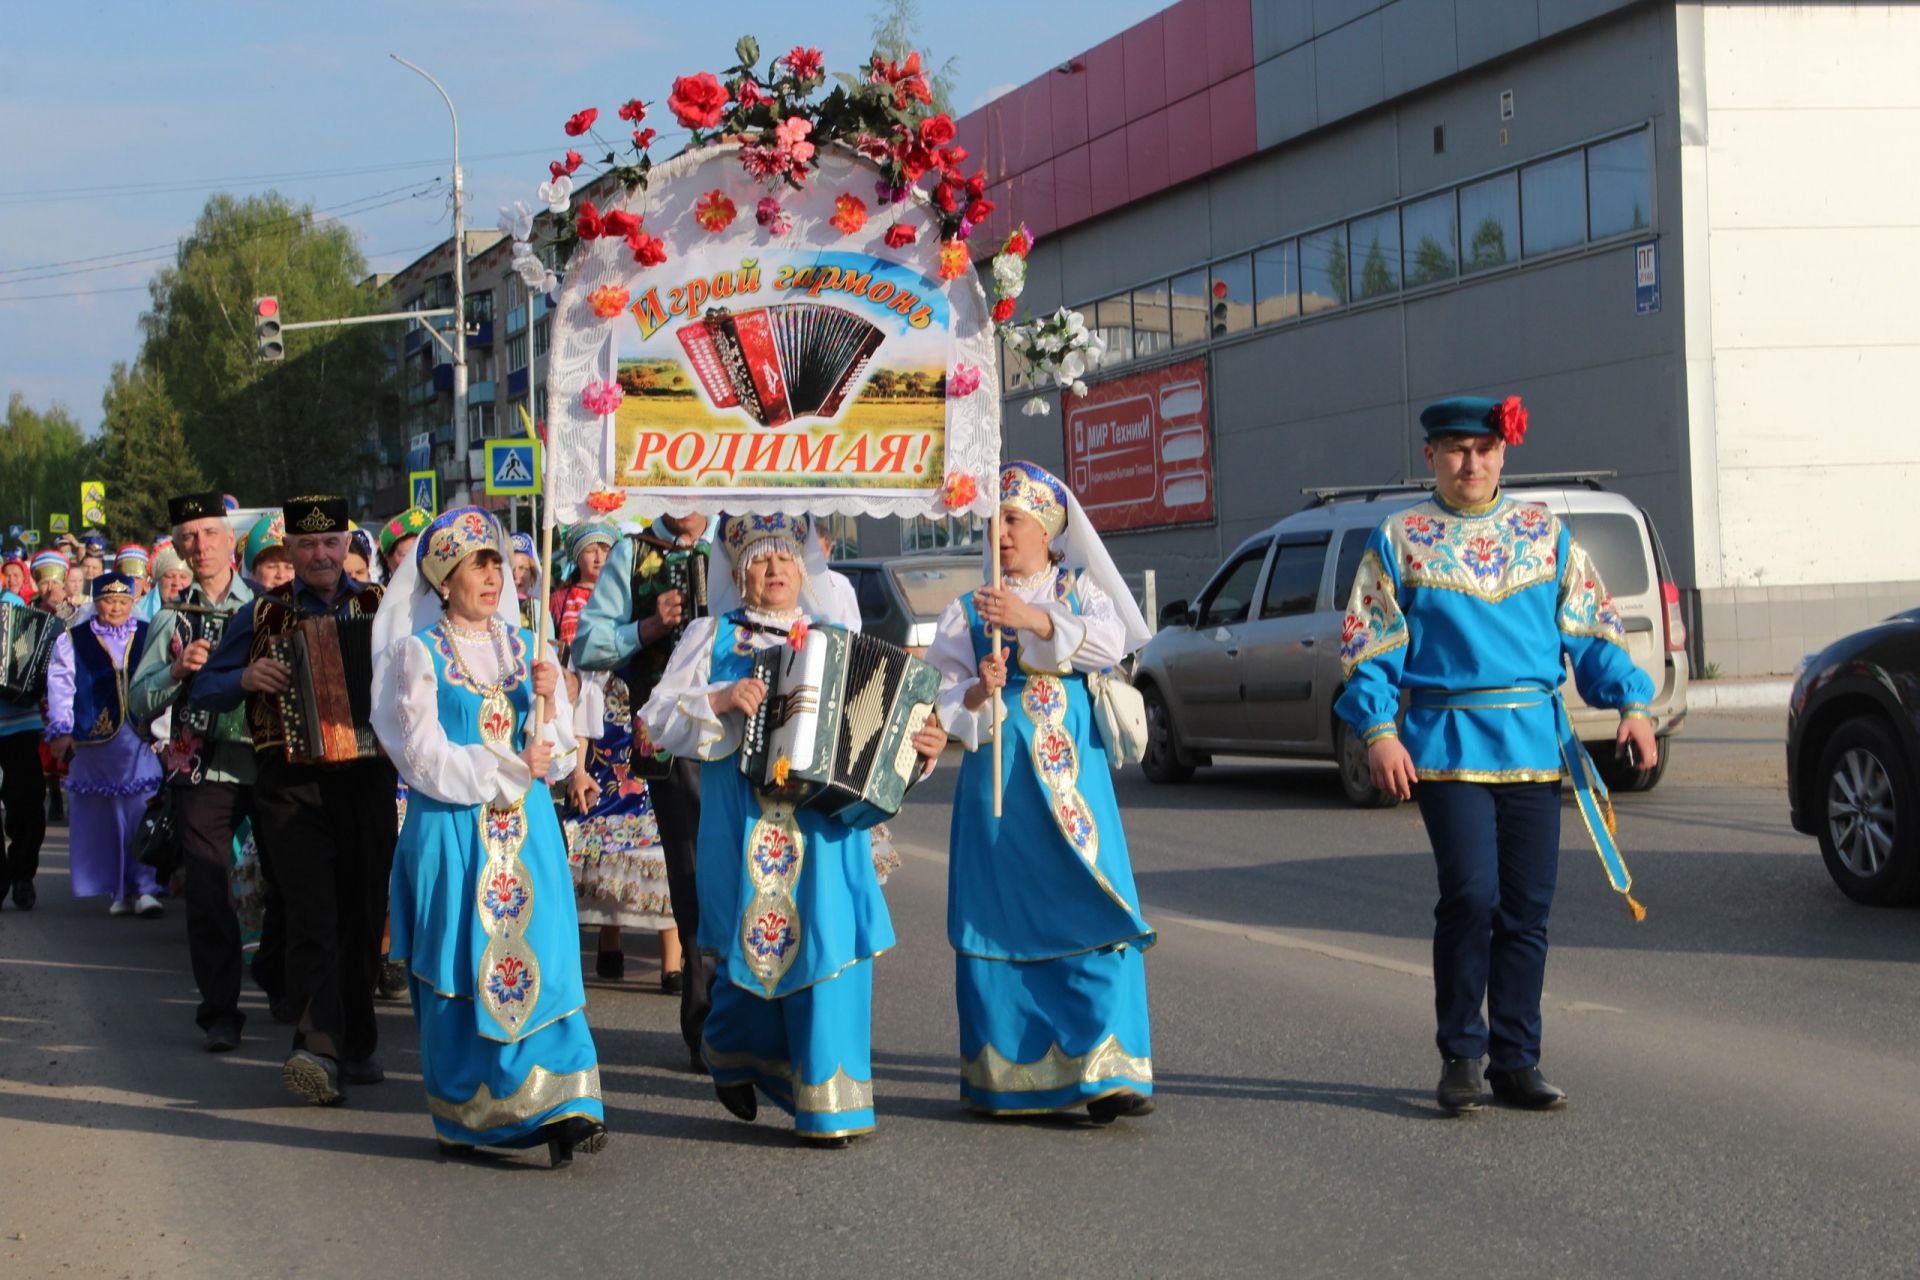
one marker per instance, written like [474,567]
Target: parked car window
[1293,587]
[929,589]
[1617,543]
[1227,601]
[1352,547]
[871,593]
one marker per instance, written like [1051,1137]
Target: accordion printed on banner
[792,360]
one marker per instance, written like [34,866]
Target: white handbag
[1121,716]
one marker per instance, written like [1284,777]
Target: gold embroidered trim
[1371,628]
[770,936]
[1056,762]
[1056,1069]
[839,1092]
[1490,775]
[1491,555]
[538,1094]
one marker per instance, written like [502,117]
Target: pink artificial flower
[770,215]
[963,381]
[791,137]
[805,64]
[601,398]
[797,633]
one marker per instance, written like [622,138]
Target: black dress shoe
[838,1143]
[574,1134]
[392,981]
[457,1150]
[697,1064]
[1526,1089]
[673,983]
[365,1070]
[25,895]
[222,1037]
[611,965]
[1125,1103]
[1460,1089]
[739,1099]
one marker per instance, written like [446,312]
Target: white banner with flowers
[780,317]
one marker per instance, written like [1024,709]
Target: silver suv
[1252,665]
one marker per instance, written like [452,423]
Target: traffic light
[266,329]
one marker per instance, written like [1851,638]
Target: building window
[1323,270]
[517,353]
[1191,309]
[542,335]
[480,365]
[1619,190]
[1016,374]
[934,533]
[1152,324]
[1276,282]
[1429,236]
[479,421]
[1375,262]
[1553,205]
[1231,296]
[1113,317]
[842,533]
[1489,223]
[480,307]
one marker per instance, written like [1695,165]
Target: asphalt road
[1741,1068]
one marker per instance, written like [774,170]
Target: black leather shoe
[365,1070]
[1125,1103]
[739,1099]
[574,1134]
[611,965]
[25,895]
[1460,1087]
[839,1143]
[673,983]
[392,982]
[310,1076]
[222,1037]
[1526,1089]
[453,1150]
[697,1064]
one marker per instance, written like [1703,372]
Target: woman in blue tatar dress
[789,900]
[482,903]
[1042,913]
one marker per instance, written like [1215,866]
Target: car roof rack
[1369,492]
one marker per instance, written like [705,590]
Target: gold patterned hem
[1490,775]
[828,1136]
[1491,597]
[1152,939]
[837,1094]
[1074,1105]
[539,1093]
[991,1072]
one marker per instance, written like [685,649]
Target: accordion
[791,360]
[327,707]
[836,729]
[198,623]
[30,634]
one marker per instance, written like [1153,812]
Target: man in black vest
[631,622]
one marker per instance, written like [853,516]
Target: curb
[1738,695]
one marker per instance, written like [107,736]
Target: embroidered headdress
[452,537]
[268,532]
[1030,488]
[131,560]
[587,535]
[749,536]
[195,506]
[410,523]
[523,546]
[49,564]
[111,583]
[166,561]
[319,513]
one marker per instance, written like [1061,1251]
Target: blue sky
[117,120]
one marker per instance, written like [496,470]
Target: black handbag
[154,841]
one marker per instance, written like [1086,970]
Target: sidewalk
[1753,693]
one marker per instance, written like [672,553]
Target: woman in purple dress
[113,771]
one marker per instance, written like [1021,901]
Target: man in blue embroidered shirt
[1473,604]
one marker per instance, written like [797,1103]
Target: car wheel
[1868,814]
[1161,763]
[1621,776]
[1355,778]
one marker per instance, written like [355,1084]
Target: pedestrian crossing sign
[426,489]
[513,466]
[58,522]
[93,503]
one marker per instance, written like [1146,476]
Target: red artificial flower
[900,235]
[1510,418]
[914,160]
[648,251]
[904,78]
[805,64]
[797,633]
[1017,243]
[715,211]
[947,195]
[936,131]
[978,210]
[953,260]
[698,101]
[643,138]
[977,185]
[618,224]
[606,500]
[581,121]
[1003,310]
[634,111]
[589,224]
[961,490]
[559,167]
[748,93]
[952,157]
[849,213]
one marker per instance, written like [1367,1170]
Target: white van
[1251,666]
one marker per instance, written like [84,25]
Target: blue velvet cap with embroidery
[111,583]
[1476,416]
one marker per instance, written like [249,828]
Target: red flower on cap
[1510,419]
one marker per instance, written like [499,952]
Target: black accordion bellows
[792,360]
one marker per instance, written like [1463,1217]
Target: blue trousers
[1497,850]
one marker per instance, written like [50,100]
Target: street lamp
[461,477]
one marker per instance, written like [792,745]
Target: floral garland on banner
[1060,348]
[781,122]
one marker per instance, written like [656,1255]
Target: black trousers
[328,836]
[676,808]
[23,790]
[204,818]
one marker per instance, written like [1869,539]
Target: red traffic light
[266,308]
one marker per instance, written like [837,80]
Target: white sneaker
[148,908]
[120,907]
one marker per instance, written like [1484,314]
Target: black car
[1853,741]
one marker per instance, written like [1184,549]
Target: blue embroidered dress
[1477,614]
[1042,912]
[789,903]
[482,902]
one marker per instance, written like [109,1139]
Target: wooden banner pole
[994,637]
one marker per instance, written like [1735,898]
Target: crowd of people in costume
[524,758]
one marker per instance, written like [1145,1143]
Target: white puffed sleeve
[464,775]
[951,654]
[1093,640]
[590,709]
[679,717]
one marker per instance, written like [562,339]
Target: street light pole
[460,442]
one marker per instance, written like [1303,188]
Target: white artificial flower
[1072,365]
[522,250]
[558,194]
[1036,407]
[1079,388]
[516,221]
[530,270]
[1009,275]
[550,282]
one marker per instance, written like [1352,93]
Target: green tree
[1489,246]
[262,431]
[1376,277]
[895,27]
[43,458]
[1337,269]
[1431,261]
[144,452]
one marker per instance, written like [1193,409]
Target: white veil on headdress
[411,605]
[1082,551]
[795,533]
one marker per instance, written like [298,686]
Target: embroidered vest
[100,684]
[274,615]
